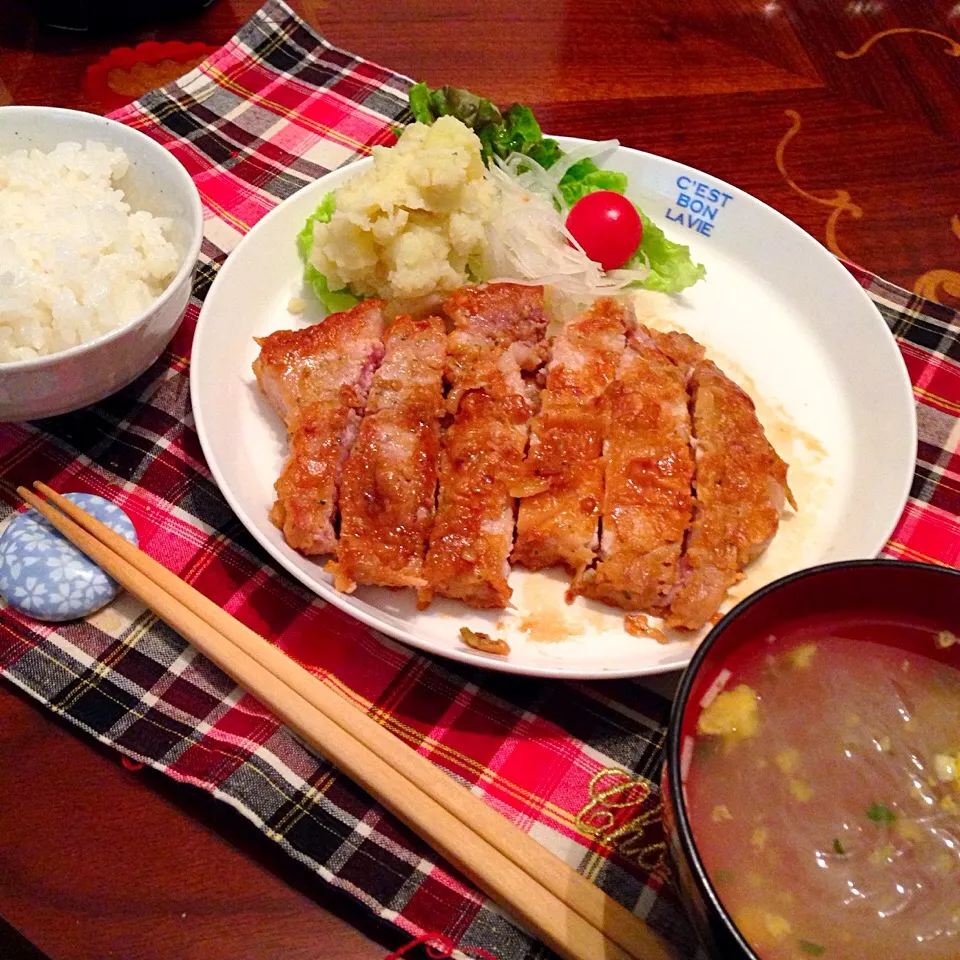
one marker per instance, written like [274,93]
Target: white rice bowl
[75,261]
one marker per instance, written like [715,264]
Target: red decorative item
[438,947]
[128,72]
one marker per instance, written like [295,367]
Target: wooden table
[845,116]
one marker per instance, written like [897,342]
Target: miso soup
[824,793]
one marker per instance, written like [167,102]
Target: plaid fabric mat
[576,765]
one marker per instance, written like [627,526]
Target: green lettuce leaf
[500,134]
[585,177]
[518,132]
[420,105]
[671,267]
[426,105]
[546,152]
[322,214]
[333,300]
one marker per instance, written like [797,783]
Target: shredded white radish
[537,179]
[528,174]
[528,242]
[589,151]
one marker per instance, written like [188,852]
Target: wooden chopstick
[510,866]
[577,892]
[567,933]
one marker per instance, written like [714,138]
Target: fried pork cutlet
[557,526]
[498,333]
[740,484]
[647,501]
[317,380]
[681,348]
[487,320]
[390,478]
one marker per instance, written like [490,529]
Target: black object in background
[95,16]
[14,946]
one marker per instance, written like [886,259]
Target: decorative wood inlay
[840,204]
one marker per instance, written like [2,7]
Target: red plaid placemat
[575,765]
[928,335]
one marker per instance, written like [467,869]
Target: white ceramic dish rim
[504,665]
[186,267]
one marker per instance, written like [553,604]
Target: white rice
[75,262]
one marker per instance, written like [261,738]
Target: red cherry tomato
[607,226]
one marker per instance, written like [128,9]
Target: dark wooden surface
[861,151]
[718,84]
[98,862]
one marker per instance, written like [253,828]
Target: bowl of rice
[100,229]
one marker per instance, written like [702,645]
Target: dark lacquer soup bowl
[811,791]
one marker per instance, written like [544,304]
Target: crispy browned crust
[307,488]
[488,321]
[390,478]
[493,317]
[681,348]
[320,363]
[741,484]
[610,436]
[473,531]
[649,469]
[557,524]
[317,380]
[497,333]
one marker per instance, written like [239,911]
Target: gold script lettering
[623,813]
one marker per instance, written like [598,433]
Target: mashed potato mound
[415,223]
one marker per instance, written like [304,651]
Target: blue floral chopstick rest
[45,576]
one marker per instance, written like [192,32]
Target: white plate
[777,312]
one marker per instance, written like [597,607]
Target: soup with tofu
[824,792]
